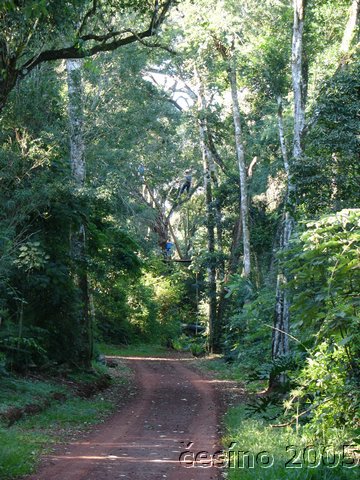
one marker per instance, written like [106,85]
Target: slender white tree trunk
[282,136]
[78,234]
[351,26]
[77,146]
[240,153]
[297,78]
[280,341]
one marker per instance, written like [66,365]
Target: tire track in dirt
[174,406]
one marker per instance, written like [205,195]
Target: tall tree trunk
[229,57]
[232,267]
[299,83]
[78,234]
[216,202]
[280,341]
[214,333]
[240,153]
[220,262]
[350,28]
[282,137]
[8,73]
[77,146]
[214,160]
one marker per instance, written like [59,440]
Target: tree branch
[175,103]
[251,166]
[103,38]
[75,51]
[88,14]
[213,150]
[152,45]
[182,202]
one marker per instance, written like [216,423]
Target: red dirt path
[174,406]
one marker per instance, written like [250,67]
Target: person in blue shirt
[169,248]
[141,170]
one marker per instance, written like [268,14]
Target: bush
[326,397]
[325,287]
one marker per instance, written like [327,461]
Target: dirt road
[175,407]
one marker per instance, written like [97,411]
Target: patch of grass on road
[216,365]
[233,371]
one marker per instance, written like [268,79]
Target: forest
[185,174]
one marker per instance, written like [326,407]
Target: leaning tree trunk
[280,342]
[78,233]
[240,153]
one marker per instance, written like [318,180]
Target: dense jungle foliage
[137,250]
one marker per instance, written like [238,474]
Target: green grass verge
[75,412]
[136,350]
[19,451]
[299,462]
[18,392]
[22,444]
